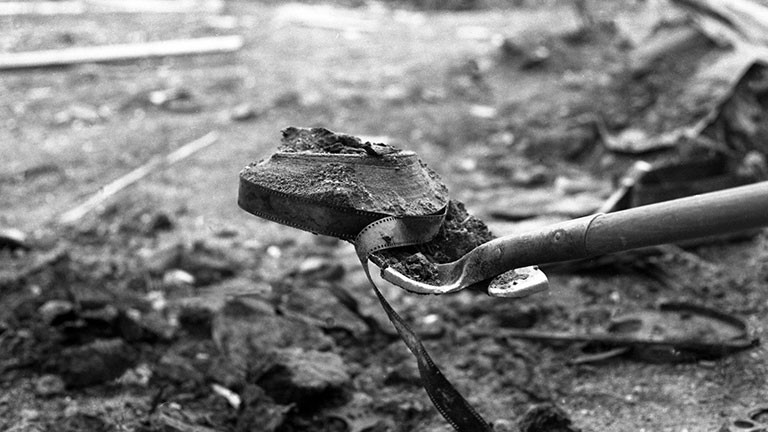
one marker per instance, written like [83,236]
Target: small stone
[13,239]
[56,311]
[49,385]
[177,277]
[243,112]
[94,363]
[546,418]
[246,330]
[504,425]
[306,378]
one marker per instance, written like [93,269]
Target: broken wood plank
[137,174]
[41,8]
[110,53]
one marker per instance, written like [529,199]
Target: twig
[137,174]
[109,53]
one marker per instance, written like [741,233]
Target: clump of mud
[459,234]
[321,140]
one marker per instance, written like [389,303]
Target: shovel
[382,199]
[335,184]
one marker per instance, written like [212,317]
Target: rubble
[308,378]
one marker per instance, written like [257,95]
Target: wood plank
[110,53]
[41,8]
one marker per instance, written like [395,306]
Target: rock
[307,378]
[259,411]
[246,330]
[504,425]
[546,418]
[243,112]
[178,369]
[177,277]
[54,312]
[196,320]
[13,239]
[49,385]
[94,363]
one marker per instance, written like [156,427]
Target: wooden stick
[108,53]
[41,8]
[137,174]
[155,6]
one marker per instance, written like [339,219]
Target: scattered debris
[686,86]
[111,53]
[675,333]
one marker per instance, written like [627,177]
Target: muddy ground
[170,309]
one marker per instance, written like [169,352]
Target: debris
[683,86]
[328,17]
[13,239]
[111,53]
[747,18]
[81,113]
[137,174]
[677,332]
[546,418]
[526,57]
[516,204]
[54,312]
[243,112]
[171,417]
[155,6]
[260,412]
[174,99]
[196,320]
[40,262]
[177,277]
[95,363]
[178,369]
[11,8]
[49,385]
[358,414]
[753,419]
[308,378]
[231,397]
[483,111]
[247,329]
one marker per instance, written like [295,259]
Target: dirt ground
[170,309]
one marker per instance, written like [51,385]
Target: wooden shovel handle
[715,213]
